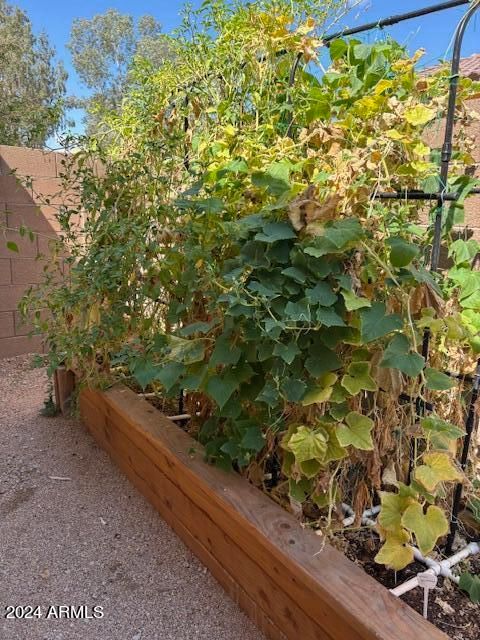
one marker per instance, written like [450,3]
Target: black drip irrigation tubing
[388,22]
[421,195]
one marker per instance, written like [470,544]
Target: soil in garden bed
[449,608]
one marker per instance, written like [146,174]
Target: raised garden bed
[285,578]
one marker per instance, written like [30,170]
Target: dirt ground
[73,531]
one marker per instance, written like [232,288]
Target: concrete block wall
[24,205]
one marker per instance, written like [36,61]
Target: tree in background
[103,49]
[32,84]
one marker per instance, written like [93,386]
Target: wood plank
[97,424]
[173,503]
[342,600]
[64,388]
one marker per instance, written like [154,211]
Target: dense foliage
[32,84]
[231,248]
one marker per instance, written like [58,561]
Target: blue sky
[433,33]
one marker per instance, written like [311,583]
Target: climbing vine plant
[232,247]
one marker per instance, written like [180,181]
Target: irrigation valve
[427,580]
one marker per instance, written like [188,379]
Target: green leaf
[339,411]
[298,311]
[320,105]
[337,238]
[236,166]
[376,324]
[321,393]
[428,527]
[399,356]
[362,51]
[437,381]
[12,246]
[354,302]
[225,352]
[357,432]
[300,490]
[394,554]
[358,378]
[338,48]
[221,388]
[197,327]
[287,352]
[260,288]
[296,274]
[276,179]
[144,371]
[169,374]
[470,584]
[402,252]
[464,250]
[321,360]
[196,376]
[186,351]
[328,317]
[269,395]
[321,294]
[439,432]
[436,468]
[293,389]
[344,232]
[275,231]
[253,439]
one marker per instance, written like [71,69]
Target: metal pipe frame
[388,22]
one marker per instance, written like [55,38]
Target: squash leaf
[357,432]
[358,378]
[436,468]
[428,527]
[395,553]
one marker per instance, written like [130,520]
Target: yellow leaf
[427,527]
[308,444]
[420,166]
[394,553]
[393,507]
[419,115]
[421,149]
[393,134]
[229,130]
[334,449]
[382,86]
[437,468]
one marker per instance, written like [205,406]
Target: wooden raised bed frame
[280,574]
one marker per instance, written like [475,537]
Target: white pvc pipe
[366,520]
[442,568]
[435,567]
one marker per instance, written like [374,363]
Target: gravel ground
[90,539]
